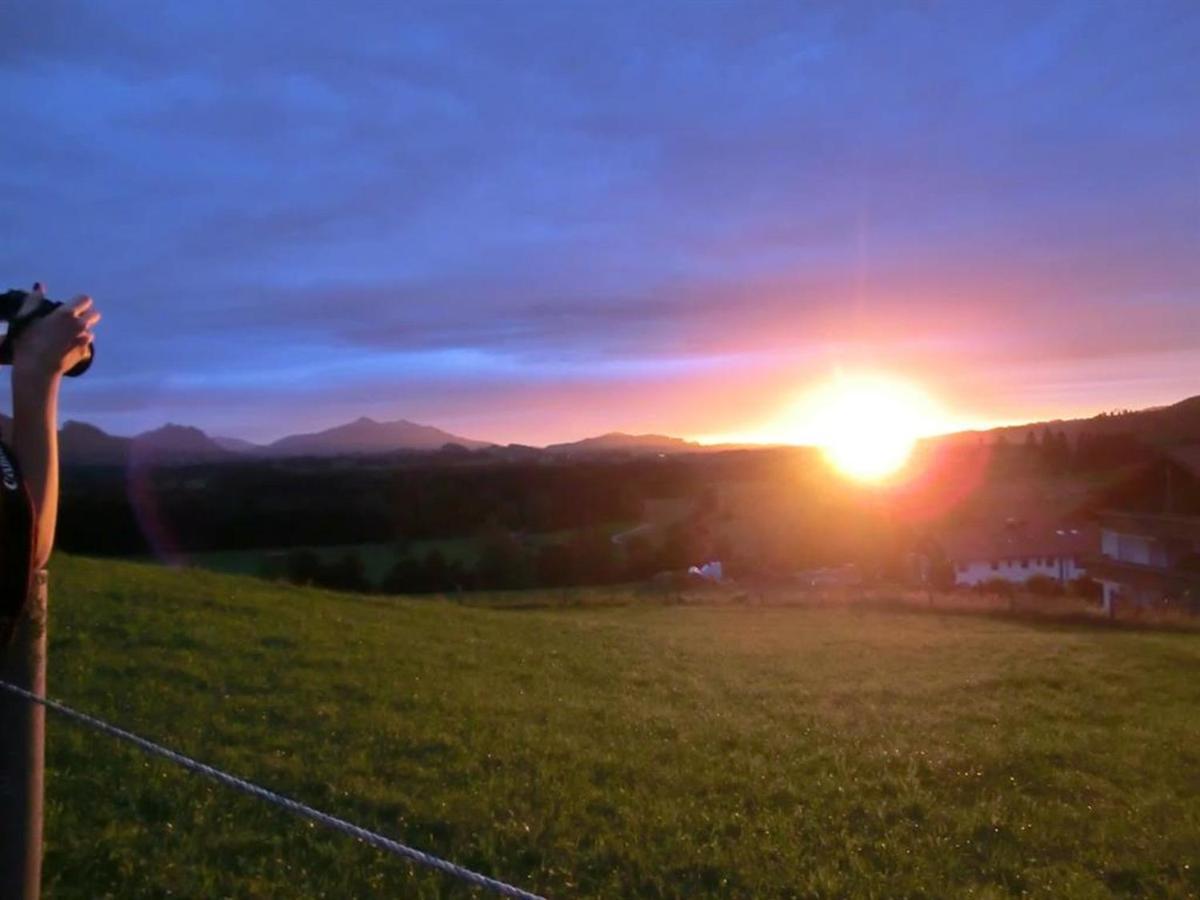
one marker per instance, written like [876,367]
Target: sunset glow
[679,240]
[868,425]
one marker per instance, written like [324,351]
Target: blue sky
[534,221]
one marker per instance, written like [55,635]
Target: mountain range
[84,444]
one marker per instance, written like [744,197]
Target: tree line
[505,561]
[1052,451]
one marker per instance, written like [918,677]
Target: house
[1016,549]
[1148,560]
[1150,535]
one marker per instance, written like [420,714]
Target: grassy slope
[655,752]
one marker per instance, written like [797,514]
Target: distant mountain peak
[366,435]
[172,429]
[74,425]
[183,442]
[620,441]
[82,443]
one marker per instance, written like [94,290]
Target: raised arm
[44,351]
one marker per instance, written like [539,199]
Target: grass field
[649,751]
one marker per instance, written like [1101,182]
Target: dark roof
[1007,538]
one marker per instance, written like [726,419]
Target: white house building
[1015,550]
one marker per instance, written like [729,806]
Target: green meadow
[617,749]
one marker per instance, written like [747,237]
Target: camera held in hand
[19,309]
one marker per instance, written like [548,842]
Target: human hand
[54,344]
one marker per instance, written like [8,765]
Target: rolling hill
[1162,426]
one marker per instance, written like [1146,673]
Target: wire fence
[365,835]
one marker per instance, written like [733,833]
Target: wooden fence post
[22,753]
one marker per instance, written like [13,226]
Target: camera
[18,309]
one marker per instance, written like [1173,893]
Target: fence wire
[365,835]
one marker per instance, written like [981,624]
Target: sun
[868,425]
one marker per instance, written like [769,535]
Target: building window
[995,565]
[1025,564]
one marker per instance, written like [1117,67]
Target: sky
[531,222]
